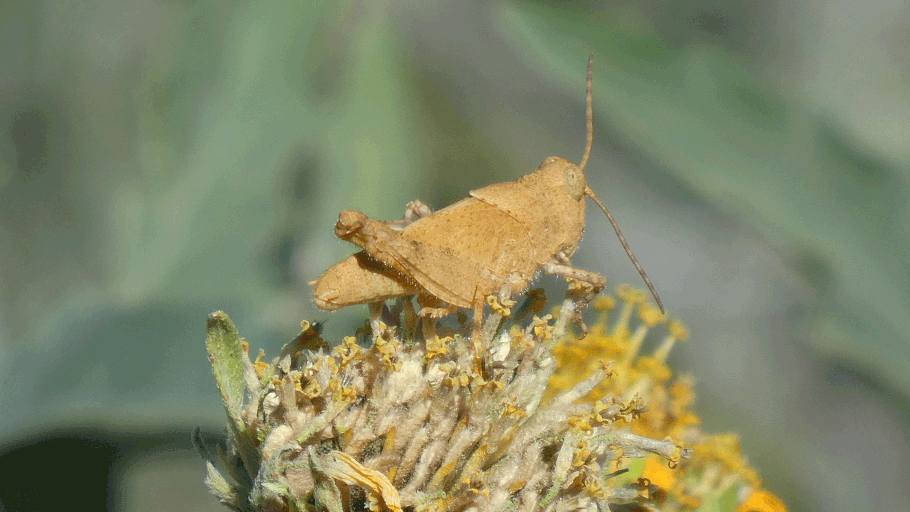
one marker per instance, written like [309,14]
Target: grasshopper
[488,245]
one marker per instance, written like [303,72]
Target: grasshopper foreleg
[584,285]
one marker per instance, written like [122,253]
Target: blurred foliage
[831,207]
[163,160]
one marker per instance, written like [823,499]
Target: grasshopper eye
[575,182]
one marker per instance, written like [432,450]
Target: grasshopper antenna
[589,112]
[625,245]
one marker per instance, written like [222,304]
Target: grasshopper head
[560,174]
[349,224]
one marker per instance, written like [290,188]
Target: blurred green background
[162,160]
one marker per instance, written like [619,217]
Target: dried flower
[444,424]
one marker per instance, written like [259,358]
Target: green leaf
[729,499]
[223,344]
[325,491]
[724,501]
[224,347]
[224,491]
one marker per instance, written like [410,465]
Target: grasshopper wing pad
[489,238]
[448,276]
[437,270]
[359,279]
[544,209]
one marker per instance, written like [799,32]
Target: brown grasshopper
[490,244]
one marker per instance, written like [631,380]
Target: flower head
[446,424]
